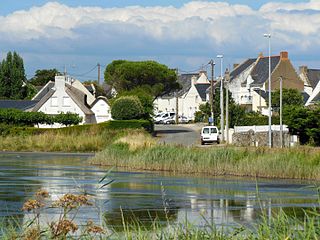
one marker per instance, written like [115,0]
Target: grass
[85,138]
[295,163]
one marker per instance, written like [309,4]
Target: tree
[125,75]
[127,108]
[43,76]
[145,97]
[290,97]
[12,77]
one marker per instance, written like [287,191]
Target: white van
[209,134]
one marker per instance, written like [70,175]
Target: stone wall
[250,138]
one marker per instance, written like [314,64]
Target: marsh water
[226,201]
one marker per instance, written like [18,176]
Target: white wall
[102,111]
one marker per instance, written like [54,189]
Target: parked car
[209,134]
[160,119]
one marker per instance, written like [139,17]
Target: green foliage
[236,112]
[100,91]
[68,119]
[127,108]
[43,76]
[131,124]
[19,118]
[126,75]
[12,77]
[303,122]
[255,119]
[290,97]
[145,97]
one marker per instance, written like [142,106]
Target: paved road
[187,135]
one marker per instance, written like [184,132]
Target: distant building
[311,79]
[249,80]
[190,97]
[69,95]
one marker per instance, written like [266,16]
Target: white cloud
[193,30]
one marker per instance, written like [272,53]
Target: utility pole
[177,101]
[212,63]
[221,98]
[281,125]
[99,73]
[227,74]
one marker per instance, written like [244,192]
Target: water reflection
[144,197]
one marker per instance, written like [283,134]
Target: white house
[69,95]
[311,79]
[189,98]
[249,80]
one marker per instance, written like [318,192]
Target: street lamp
[268,35]
[281,126]
[221,98]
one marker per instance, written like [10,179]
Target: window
[54,102]
[66,102]
[214,130]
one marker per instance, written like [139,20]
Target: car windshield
[214,130]
[206,130]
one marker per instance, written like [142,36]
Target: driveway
[187,134]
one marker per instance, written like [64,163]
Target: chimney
[194,80]
[284,55]
[235,65]
[303,69]
[227,75]
[202,71]
[59,83]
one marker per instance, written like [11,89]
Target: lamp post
[212,63]
[281,126]
[268,35]
[221,98]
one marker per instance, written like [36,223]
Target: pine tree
[12,77]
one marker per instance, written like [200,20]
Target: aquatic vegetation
[297,163]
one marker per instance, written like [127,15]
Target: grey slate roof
[44,91]
[76,95]
[201,88]
[43,100]
[242,67]
[260,72]
[185,82]
[79,98]
[313,77]
[18,104]
[263,94]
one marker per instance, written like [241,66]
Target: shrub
[68,119]
[127,108]
[122,124]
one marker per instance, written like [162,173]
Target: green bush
[122,124]
[19,118]
[67,119]
[127,108]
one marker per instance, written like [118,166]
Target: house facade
[249,81]
[188,99]
[311,79]
[69,95]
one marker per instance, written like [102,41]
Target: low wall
[251,138]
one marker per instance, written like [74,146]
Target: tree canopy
[125,75]
[290,97]
[12,77]
[43,76]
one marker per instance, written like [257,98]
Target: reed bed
[295,163]
[61,141]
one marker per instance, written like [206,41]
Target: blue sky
[182,34]
[8,6]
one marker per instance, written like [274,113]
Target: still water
[226,201]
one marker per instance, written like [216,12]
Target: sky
[78,34]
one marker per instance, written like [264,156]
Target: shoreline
[49,153]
